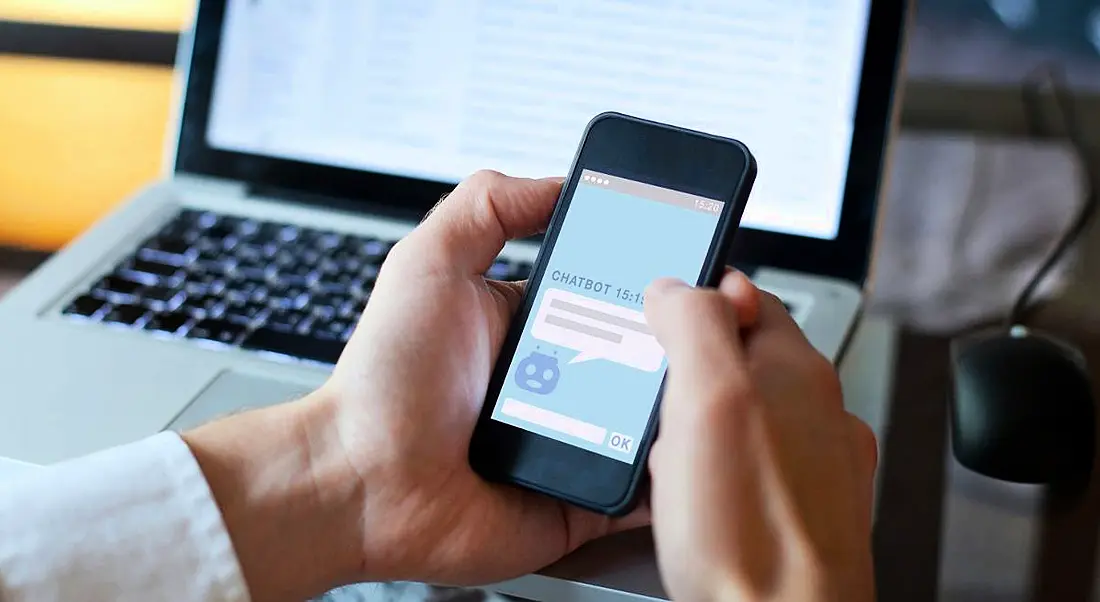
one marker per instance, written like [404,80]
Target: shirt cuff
[136,522]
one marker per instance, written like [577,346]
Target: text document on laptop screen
[437,89]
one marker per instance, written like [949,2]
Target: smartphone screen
[587,369]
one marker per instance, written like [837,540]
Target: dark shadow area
[88,43]
[1069,536]
[907,533]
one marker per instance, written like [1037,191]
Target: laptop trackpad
[230,392]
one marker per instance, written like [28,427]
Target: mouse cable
[1051,78]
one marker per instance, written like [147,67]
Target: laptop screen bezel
[846,256]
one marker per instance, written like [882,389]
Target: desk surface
[623,567]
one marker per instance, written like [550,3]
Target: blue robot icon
[538,373]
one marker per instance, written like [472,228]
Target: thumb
[467,229]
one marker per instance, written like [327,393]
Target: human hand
[762,483]
[410,387]
[384,490]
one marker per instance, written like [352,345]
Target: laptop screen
[439,89]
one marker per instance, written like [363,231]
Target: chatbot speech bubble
[597,329]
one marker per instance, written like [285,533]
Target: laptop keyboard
[241,282]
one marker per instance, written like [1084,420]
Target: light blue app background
[626,242]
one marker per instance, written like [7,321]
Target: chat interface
[587,369]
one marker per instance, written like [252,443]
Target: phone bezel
[641,150]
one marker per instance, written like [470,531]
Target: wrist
[288,496]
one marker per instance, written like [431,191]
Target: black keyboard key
[281,233]
[204,306]
[349,310]
[229,243]
[149,272]
[161,298]
[500,270]
[259,295]
[338,286]
[225,228]
[322,299]
[309,257]
[218,267]
[521,271]
[284,259]
[85,305]
[168,323]
[214,285]
[198,218]
[327,241]
[331,267]
[369,274]
[300,276]
[235,297]
[117,288]
[247,228]
[207,249]
[336,329]
[284,320]
[127,315]
[306,326]
[249,252]
[221,331]
[169,250]
[294,345]
[377,250]
[247,313]
[291,298]
[322,312]
[154,268]
[253,272]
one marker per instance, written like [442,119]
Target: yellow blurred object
[77,138]
[160,15]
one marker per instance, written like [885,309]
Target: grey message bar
[596,314]
[651,192]
[591,331]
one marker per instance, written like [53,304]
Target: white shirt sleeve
[136,522]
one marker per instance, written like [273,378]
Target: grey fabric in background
[966,223]
[966,220]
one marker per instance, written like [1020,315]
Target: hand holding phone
[572,402]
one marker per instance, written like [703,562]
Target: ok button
[621,443]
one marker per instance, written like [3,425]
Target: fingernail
[667,284]
[733,284]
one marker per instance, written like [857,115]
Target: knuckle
[484,179]
[699,302]
[734,389]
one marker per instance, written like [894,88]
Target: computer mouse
[1022,408]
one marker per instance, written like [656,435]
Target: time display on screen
[708,205]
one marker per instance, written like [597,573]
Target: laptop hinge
[207,185]
[343,204]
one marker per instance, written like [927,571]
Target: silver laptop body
[331,127]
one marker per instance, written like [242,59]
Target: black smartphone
[572,403]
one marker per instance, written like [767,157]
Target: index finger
[694,326]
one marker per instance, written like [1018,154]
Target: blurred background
[88,96]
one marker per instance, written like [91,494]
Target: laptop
[311,136]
